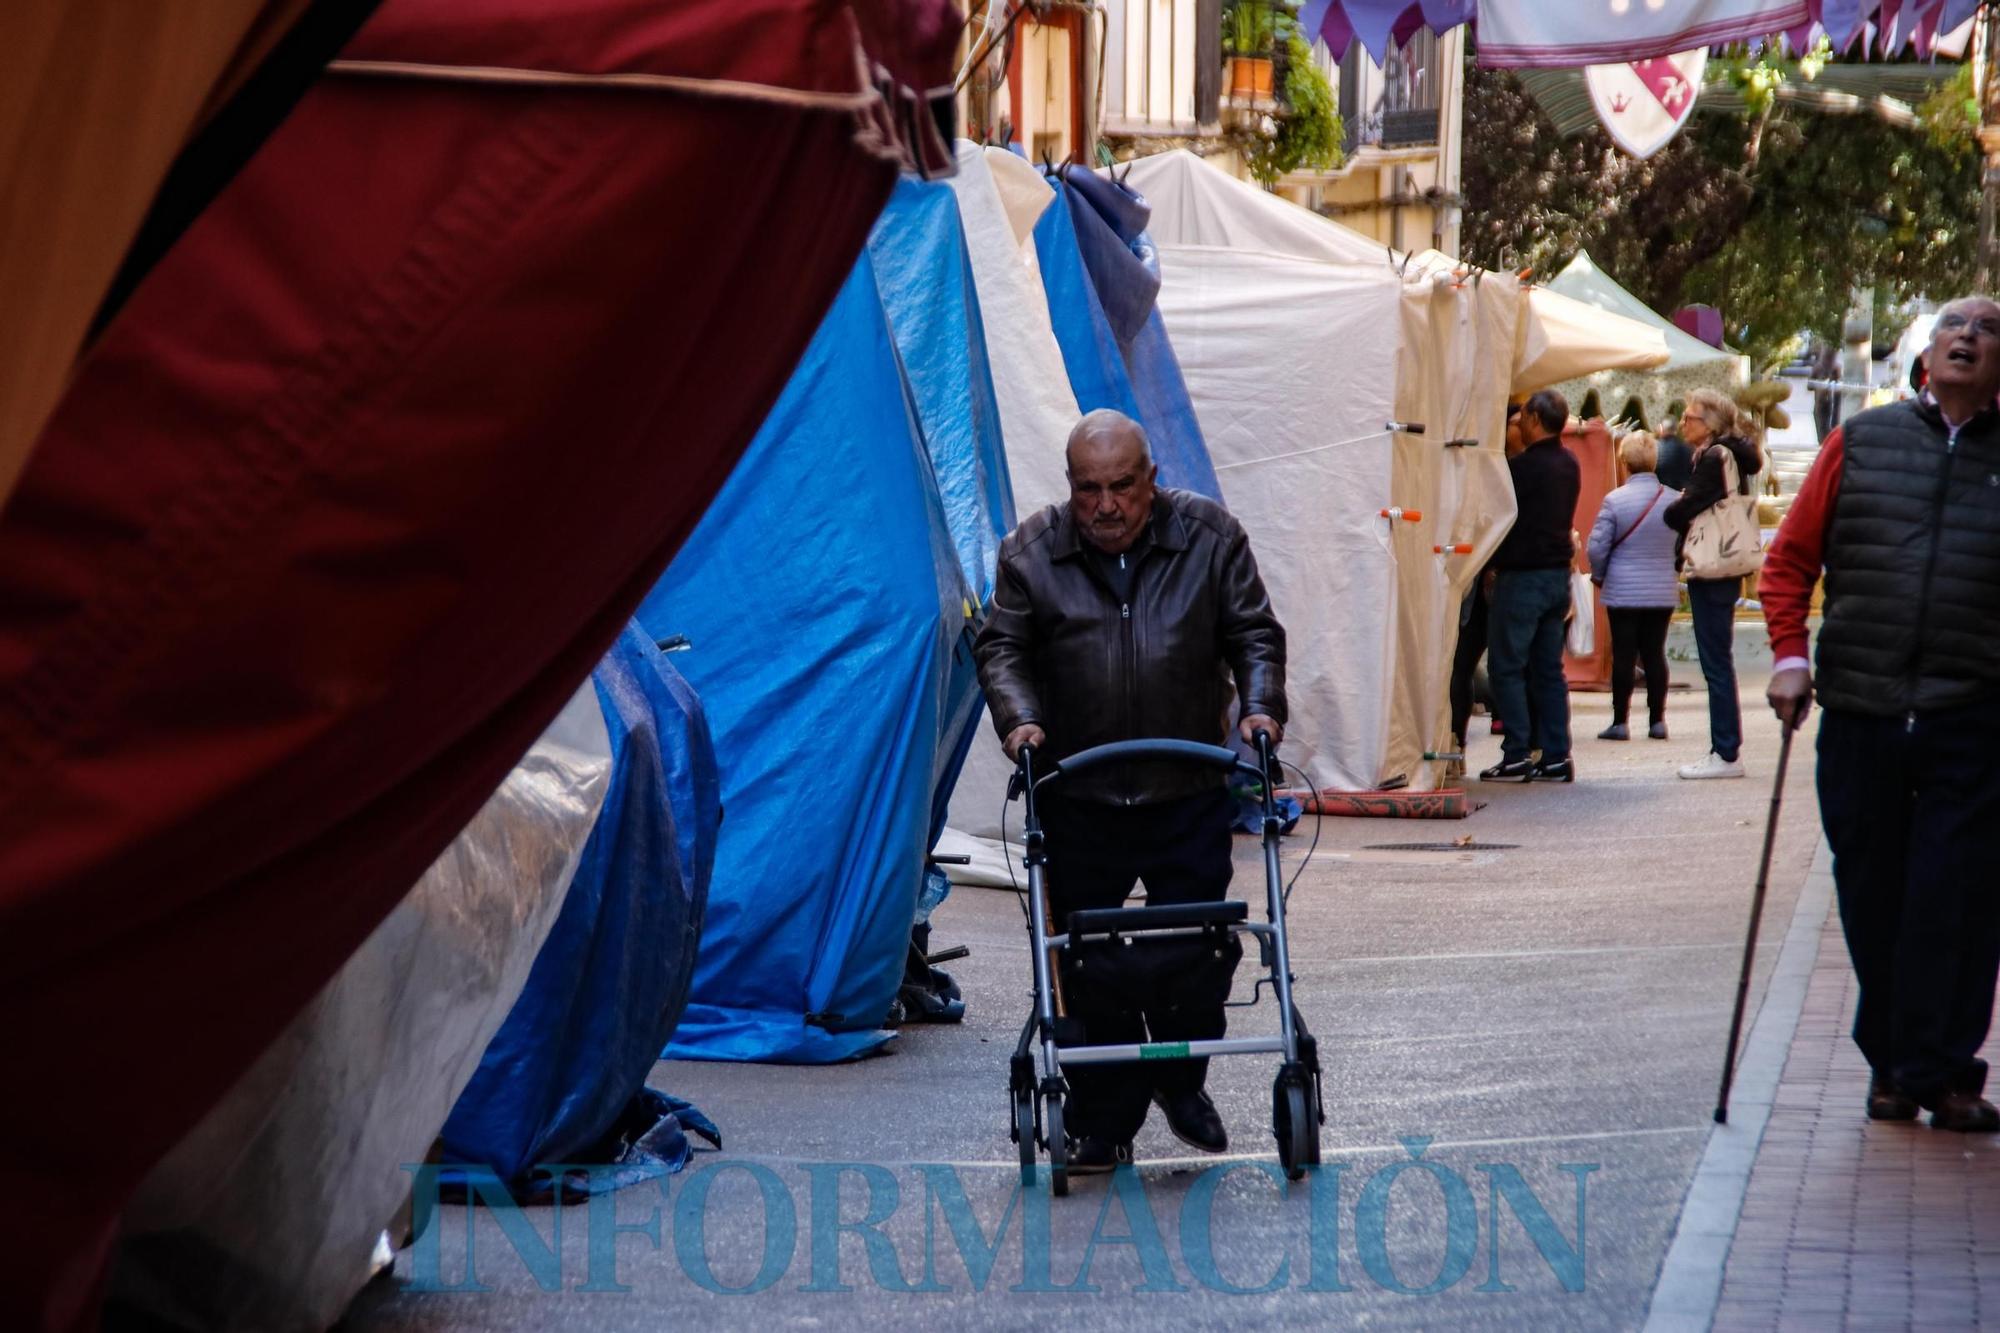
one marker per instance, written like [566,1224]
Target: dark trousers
[1912,814]
[1639,634]
[1465,659]
[1713,602]
[1164,990]
[1524,632]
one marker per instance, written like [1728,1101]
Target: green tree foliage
[1776,238]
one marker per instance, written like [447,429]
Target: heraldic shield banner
[1643,104]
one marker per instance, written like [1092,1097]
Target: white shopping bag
[1582,616]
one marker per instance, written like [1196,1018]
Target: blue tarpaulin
[565,1074]
[1101,275]
[823,598]
[924,277]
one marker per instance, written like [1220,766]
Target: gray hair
[1109,421]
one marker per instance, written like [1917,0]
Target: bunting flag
[1885,26]
[1377,24]
[1644,103]
[1521,34]
[1530,33]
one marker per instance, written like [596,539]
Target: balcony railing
[1395,106]
[1410,128]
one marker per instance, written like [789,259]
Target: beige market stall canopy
[1688,363]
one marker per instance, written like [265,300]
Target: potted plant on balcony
[1305,131]
[1249,34]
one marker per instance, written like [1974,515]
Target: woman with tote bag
[1717,519]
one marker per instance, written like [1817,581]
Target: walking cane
[1756,916]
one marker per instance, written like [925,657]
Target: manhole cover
[1442,846]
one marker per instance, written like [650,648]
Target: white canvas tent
[1689,362]
[1000,198]
[1300,341]
[1560,337]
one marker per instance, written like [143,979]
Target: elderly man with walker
[1123,615]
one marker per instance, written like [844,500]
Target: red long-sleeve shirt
[1798,553]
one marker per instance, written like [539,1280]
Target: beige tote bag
[1723,542]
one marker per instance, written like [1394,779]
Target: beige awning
[1562,339]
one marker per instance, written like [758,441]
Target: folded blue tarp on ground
[823,598]
[563,1079]
[1101,275]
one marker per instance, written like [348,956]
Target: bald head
[1110,479]
[1108,428]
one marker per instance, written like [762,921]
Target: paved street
[1550,1002]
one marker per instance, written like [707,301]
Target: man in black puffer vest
[1902,510]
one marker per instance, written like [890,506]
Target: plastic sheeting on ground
[612,979]
[265,1217]
[823,601]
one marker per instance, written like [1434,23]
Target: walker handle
[1189,752]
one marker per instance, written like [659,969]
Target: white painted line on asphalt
[1219,1159]
[1298,959]
[1530,953]
[1690,1284]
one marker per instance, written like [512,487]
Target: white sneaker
[1713,765]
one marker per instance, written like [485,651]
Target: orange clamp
[1462,548]
[1407,515]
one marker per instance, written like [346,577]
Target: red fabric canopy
[356,490]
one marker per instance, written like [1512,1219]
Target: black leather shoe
[1965,1113]
[1095,1157]
[1557,770]
[1510,770]
[1886,1101]
[1617,731]
[1194,1120]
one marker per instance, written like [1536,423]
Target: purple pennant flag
[1841,19]
[1955,13]
[1374,22]
[1406,26]
[1312,18]
[1336,31]
[1888,33]
[1800,38]
[1925,35]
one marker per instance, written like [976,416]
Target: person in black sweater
[1530,599]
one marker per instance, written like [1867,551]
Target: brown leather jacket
[1060,651]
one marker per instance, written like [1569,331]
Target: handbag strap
[1658,491]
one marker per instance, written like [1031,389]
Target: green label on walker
[1164,1050]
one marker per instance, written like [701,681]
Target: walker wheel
[1058,1148]
[1294,1123]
